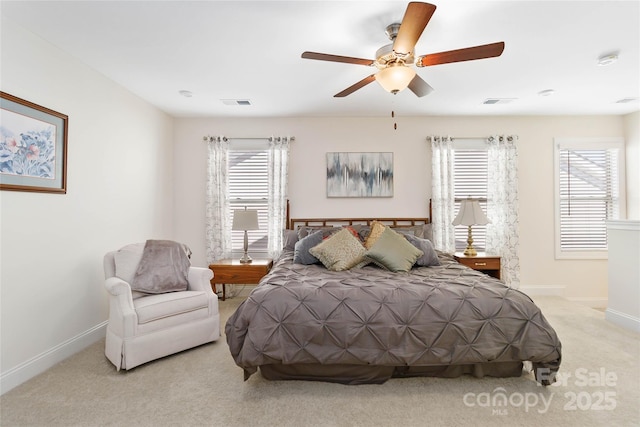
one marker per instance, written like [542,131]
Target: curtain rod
[453,138]
[268,138]
[490,138]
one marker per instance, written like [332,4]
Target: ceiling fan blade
[467,54]
[355,87]
[415,19]
[336,58]
[419,86]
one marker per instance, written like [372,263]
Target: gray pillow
[305,231]
[164,267]
[427,232]
[429,257]
[363,232]
[301,253]
[415,230]
[393,252]
[290,239]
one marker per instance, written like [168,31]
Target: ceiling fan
[394,60]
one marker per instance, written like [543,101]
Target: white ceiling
[251,50]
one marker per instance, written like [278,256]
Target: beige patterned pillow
[376,230]
[341,251]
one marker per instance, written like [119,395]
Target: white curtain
[217,227]
[442,193]
[502,205]
[278,179]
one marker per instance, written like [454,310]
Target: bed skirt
[367,374]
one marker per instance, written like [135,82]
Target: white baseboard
[40,363]
[557,291]
[593,302]
[622,319]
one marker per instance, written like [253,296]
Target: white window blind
[248,186]
[470,180]
[589,192]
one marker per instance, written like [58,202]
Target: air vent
[236,101]
[492,101]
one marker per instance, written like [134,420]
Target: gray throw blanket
[164,267]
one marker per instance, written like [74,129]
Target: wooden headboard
[293,223]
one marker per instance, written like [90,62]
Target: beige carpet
[203,387]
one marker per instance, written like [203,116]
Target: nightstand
[488,264]
[231,271]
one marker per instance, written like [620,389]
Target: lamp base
[246,259]
[470,250]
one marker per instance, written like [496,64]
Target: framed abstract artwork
[33,147]
[359,174]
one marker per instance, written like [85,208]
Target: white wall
[632,131]
[582,280]
[53,300]
[623,306]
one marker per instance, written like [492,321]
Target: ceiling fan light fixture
[395,78]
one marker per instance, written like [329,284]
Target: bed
[367,323]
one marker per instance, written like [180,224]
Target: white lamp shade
[470,213]
[244,219]
[395,77]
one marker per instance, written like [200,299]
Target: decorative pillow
[305,231]
[301,253]
[427,232]
[352,229]
[393,252]
[429,257]
[363,232]
[164,267]
[357,230]
[415,230]
[341,251]
[290,239]
[357,227]
[376,230]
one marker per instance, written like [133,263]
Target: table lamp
[245,220]
[470,214]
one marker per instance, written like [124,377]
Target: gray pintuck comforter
[431,316]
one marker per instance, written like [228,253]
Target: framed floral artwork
[33,147]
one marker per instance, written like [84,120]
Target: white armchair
[145,327]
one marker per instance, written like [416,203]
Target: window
[470,180]
[248,186]
[589,176]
